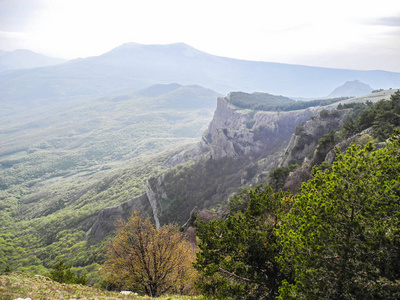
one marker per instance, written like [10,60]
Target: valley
[79,152]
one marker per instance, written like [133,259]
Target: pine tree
[341,239]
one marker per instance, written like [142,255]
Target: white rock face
[155,191]
[235,133]
[128,293]
[306,139]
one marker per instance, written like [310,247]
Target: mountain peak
[351,89]
[174,48]
[129,45]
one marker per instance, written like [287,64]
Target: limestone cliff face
[155,192]
[107,219]
[148,204]
[239,147]
[236,133]
[306,136]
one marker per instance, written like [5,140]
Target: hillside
[18,285]
[240,147]
[136,66]
[70,169]
[62,162]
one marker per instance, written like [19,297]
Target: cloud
[386,21]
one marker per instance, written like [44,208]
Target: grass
[20,285]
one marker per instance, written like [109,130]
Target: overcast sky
[352,34]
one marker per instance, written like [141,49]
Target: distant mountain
[25,59]
[135,66]
[158,89]
[353,88]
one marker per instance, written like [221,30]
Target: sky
[349,34]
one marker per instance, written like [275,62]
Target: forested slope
[336,238]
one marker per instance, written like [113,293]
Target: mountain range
[135,66]
[85,142]
[25,59]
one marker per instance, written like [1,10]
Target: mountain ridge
[26,59]
[135,66]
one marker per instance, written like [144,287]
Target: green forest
[268,102]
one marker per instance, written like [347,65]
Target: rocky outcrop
[255,134]
[107,219]
[306,136]
[155,192]
[239,147]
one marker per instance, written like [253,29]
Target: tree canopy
[149,260]
[338,238]
[341,238]
[237,255]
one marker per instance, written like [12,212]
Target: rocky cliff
[253,134]
[239,147]
[108,217]
[306,136]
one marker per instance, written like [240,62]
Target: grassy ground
[18,285]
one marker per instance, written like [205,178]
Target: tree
[341,238]
[62,273]
[149,260]
[237,255]
[277,178]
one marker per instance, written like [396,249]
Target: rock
[306,136]
[235,133]
[106,220]
[128,293]
[245,139]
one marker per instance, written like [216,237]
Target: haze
[362,35]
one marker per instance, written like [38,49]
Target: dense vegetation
[338,238]
[382,117]
[268,102]
[45,219]
[62,162]
[341,238]
[335,239]
[191,183]
[237,255]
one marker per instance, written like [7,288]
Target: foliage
[278,177]
[62,162]
[149,260]
[237,255]
[257,101]
[383,117]
[62,273]
[268,102]
[325,144]
[341,239]
[191,183]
